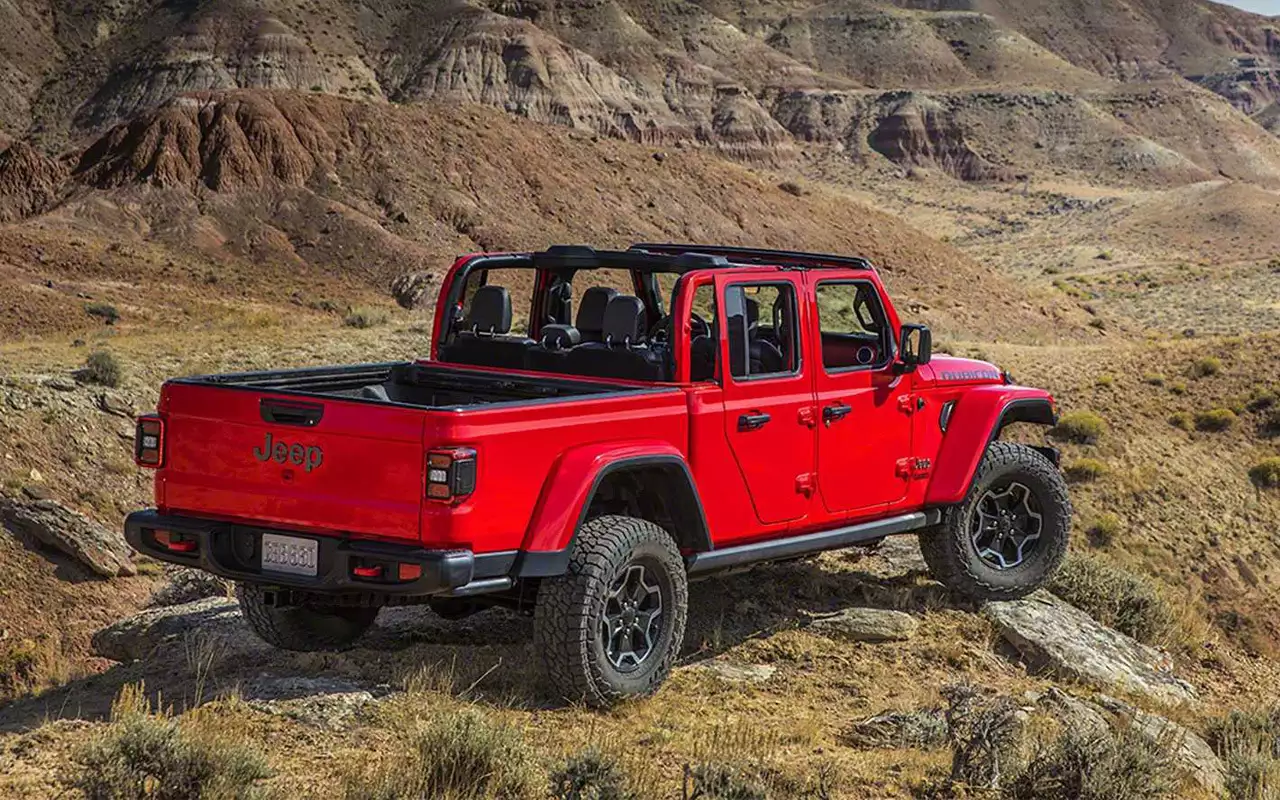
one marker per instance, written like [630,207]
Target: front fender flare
[566,497]
[977,420]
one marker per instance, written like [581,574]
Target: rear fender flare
[574,480]
[980,415]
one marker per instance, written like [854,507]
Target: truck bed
[422,385]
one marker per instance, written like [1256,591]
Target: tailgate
[317,464]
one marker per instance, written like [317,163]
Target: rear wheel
[305,628]
[1010,534]
[611,626]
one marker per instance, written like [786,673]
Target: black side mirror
[917,344]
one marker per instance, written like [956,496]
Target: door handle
[835,412]
[750,422]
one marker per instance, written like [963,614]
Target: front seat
[482,338]
[590,319]
[623,353]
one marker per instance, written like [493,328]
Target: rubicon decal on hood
[970,375]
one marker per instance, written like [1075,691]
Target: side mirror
[917,345]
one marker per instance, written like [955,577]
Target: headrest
[624,321]
[591,310]
[490,311]
[560,337]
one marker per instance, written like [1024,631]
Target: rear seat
[590,319]
[552,350]
[483,338]
[623,352]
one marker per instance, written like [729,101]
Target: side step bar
[775,549]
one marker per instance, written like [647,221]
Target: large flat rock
[215,621]
[100,549]
[1055,637]
[867,625]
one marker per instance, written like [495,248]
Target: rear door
[768,393]
[864,438]
[309,464]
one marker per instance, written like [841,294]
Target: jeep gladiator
[644,418]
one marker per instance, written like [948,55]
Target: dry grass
[1215,420]
[366,317]
[1266,473]
[1080,427]
[1123,765]
[1116,597]
[102,367]
[1085,470]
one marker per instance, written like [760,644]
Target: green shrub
[458,756]
[1113,596]
[1085,470]
[366,317]
[1215,420]
[1183,420]
[1248,742]
[1270,426]
[103,368]
[1106,381]
[1153,379]
[1206,367]
[1082,427]
[792,188]
[20,667]
[1266,473]
[1124,765]
[1104,529]
[103,311]
[1178,387]
[591,775]
[1261,401]
[146,756]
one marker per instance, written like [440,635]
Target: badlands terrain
[1085,193]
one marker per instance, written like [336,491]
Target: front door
[768,394]
[864,437]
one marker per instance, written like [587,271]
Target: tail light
[451,473]
[148,441]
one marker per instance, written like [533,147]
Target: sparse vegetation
[103,311]
[1106,381]
[1270,426]
[1183,419]
[1081,427]
[103,368]
[1114,596]
[1178,387]
[1261,400]
[20,667]
[146,755]
[1248,742]
[1104,529]
[458,755]
[1153,379]
[1215,420]
[366,317]
[721,781]
[591,775]
[792,188]
[1266,473]
[1085,470]
[1080,765]
[1206,367]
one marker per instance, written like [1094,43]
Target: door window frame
[890,337]
[722,311]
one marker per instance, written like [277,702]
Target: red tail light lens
[451,473]
[148,441]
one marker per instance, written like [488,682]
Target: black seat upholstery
[482,336]
[623,352]
[552,349]
[590,319]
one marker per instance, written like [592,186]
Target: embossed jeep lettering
[308,458]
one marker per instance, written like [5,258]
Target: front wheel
[612,625]
[1009,535]
[303,628]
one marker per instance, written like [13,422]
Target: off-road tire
[570,606]
[948,548]
[305,628]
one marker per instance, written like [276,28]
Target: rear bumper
[235,552]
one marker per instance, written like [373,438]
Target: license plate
[289,554]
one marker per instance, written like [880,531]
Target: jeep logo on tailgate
[308,458]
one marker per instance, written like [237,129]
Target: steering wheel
[660,333]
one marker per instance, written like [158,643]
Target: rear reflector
[148,441]
[367,572]
[175,542]
[410,572]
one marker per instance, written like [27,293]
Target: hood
[952,370]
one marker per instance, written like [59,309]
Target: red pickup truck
[642,418]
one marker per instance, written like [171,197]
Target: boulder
[1074,713]
[1193,754]
[414,289]
[321,702]
[867,625]
[54,525]
[186,585]
[1055,637]
[114,404]
[216,619]
[739,673]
